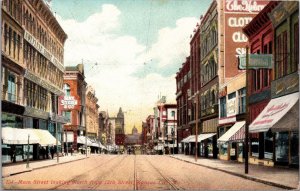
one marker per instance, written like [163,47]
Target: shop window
[223,149]
[223,112]
[43,124]
[282,147]
[240,150]
[242,100]
[9,120]
[268,145]
[254,147]
[295,148]
[28,122]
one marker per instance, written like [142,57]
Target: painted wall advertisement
[237,14]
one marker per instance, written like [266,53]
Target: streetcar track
[78,176]
[108,172]
[135,174]
[170,182]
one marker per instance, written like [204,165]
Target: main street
[130,172]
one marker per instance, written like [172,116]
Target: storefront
[279,122]
[231,143]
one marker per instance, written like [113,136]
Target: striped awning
[235,133]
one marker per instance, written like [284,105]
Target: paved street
[129,172]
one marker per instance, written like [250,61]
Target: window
[68,115]
[223,112]
[296,48]
[11,88]
[6,37]
[242,100]
[9,39]
[67,90]
[281,56]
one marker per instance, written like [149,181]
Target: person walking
[52,151]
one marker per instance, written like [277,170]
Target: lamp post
[196,130]
[247,116]
[27,165]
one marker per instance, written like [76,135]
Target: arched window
[67,90]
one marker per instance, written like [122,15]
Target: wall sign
[34,42]
[237,14]
[69,102]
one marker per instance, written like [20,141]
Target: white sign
[69,102]
[34,42]
[231,107]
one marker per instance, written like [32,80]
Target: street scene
[150,94]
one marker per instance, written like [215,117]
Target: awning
[16,136]
[202,137]
[186,140]
[45,137]
[235,133]
[158,147]
[82,140]
[69,137]
[272,115]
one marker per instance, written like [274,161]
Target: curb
[242,176]
[41,167]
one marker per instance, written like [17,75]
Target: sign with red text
[237,14]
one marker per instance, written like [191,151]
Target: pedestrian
[52,151]
[72,151]
[13,153]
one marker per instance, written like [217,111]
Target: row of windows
[209,42]
[185,79]
[209,71]
[38,64]
[241,102]
[283,64]
[209,99]
[12,42]
[35,96]
[13,7]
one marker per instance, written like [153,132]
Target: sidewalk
[286,178]
[12,169]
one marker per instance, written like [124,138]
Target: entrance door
[233,151]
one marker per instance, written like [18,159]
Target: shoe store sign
[69,102]
[39,47]
[256,61]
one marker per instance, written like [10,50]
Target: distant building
[134,138]
[120,133]
[92,114]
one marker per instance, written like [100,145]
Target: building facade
[32,72]
[183,78]
[120,132]
[92,114]
[72,105]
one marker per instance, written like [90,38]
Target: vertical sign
[237,14]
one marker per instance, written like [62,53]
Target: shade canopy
[45,137]
[69,137]
[201,137]
[17,136]
[281,114]
[235,133]
[186,140]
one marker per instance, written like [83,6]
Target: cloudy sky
[131,49]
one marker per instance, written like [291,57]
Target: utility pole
[247,116]
[56,128]
[196,145]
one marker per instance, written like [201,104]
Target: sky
[131,49]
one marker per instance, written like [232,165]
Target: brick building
[92,113]
[72,105]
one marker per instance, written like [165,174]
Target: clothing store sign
[69,102]
[237,14]
[39,47]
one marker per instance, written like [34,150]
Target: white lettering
[240,51]
[243,6]
[239,37]
[238,21]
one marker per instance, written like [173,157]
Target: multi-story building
[183,92]
[103,121]
[167,122]
[120,132]
[148,134]
[276,127]
[92,114]
[209,79]
[32,72]
[232,80]
[72,105]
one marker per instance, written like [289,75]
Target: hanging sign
[256,61]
